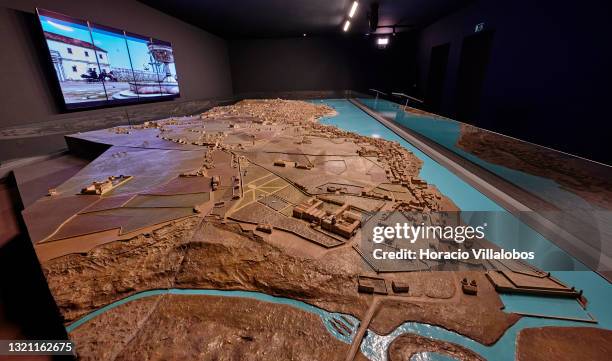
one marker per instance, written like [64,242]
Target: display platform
[243,231]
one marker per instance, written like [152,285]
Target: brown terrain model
[259,197]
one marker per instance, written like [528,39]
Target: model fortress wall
[284,163]
[343,221]
[103,187]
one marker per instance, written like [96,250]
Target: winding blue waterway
[326,317]
[374,346]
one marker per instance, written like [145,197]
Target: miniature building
[122,130]
[371,285]
[470,288]
[214,182]
[336,189]
[264,227]
[150,124]
[365,289]
[303,166]
[418,182]
[209,139]
[364,152]
[400,287]
[198,173]
[235,187]
[342,222]
[309,211]
[100,188]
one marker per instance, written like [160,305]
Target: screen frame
[95,104]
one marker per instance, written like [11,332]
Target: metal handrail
[408,98]
[378,91]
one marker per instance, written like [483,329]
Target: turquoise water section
[559,307]
[326,317]
[431,356]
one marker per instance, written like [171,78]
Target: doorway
[475,53]
[436,77]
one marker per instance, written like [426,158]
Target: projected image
[97,65]
[74,58]
[153,65]
[146,77]
[114,62]
[163,56]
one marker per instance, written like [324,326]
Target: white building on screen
[73,57]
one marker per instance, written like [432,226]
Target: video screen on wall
[97,65]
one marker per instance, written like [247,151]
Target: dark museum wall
[321,63]
[31,119]
[548,77]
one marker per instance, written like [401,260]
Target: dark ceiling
[283,18]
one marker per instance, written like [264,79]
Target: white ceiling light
[346,25]
[353,9]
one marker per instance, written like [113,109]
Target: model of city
[236,235]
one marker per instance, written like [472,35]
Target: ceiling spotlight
[353,9]
[304,34]
[346,25]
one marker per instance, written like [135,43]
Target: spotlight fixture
[382,42]
[304,35]
[346,25]
[353,9]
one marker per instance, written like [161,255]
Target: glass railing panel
[576,192]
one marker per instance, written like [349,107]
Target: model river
[375,346]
